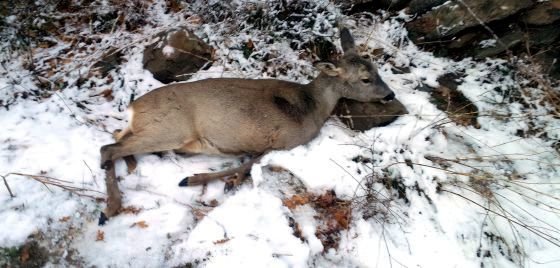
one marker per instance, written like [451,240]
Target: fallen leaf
[140,224]
[24,256]
[221,241]
[64,219]
[250,44]
[107,94]
[326,200]
[199,214]
[100,236]
[342,217]
[130,210]
[214,203]
[296,200]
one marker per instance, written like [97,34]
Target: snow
[168,50]
[250,226]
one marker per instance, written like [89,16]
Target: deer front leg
[130,161]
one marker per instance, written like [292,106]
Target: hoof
[184,182]
[233,182]
[107,164]
[130,163]
[230,185]
[102,219]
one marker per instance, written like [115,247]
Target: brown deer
[239,116]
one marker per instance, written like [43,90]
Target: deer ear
[328,68]
[346,40]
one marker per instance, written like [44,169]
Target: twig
[63,184]
[540,234]
[90,171]
[7,186]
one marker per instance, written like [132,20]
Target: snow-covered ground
[432,193]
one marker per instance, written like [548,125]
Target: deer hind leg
[130,160]
[139,143]
[129,145]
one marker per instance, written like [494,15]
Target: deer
[234,116]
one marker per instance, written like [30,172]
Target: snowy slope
[444,195]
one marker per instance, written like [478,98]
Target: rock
[550,62]
[505,43]
[349,3]
[544,35]
[109,61]
[543,13]
[533,37]
[447,98]
[422,6]
[371,5]
[175,55]
[463,40]
[363,116]
[453,17]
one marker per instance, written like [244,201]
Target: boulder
[422,6]
[449,99]
[371,5]
[550,61]
[176,54]
[363,116]
[453,17]
[544,35]
[109,60]
[506,42]
[543,13]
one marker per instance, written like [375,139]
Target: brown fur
[298,108]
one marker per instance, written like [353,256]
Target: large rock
[447,98]
[506,42]
[453,17]
[371,5]
[534,37]
[550,61]
[175,55]
[362,116]
[543,13]
[422,6]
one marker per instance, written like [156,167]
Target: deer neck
[324,91]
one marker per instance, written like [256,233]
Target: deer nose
[389,97]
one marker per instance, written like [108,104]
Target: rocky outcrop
[354,6]
[468,28]
[175,55]
[455,16]
[487,28]
[422,6]
[543,13]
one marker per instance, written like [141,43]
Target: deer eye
[367,81]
